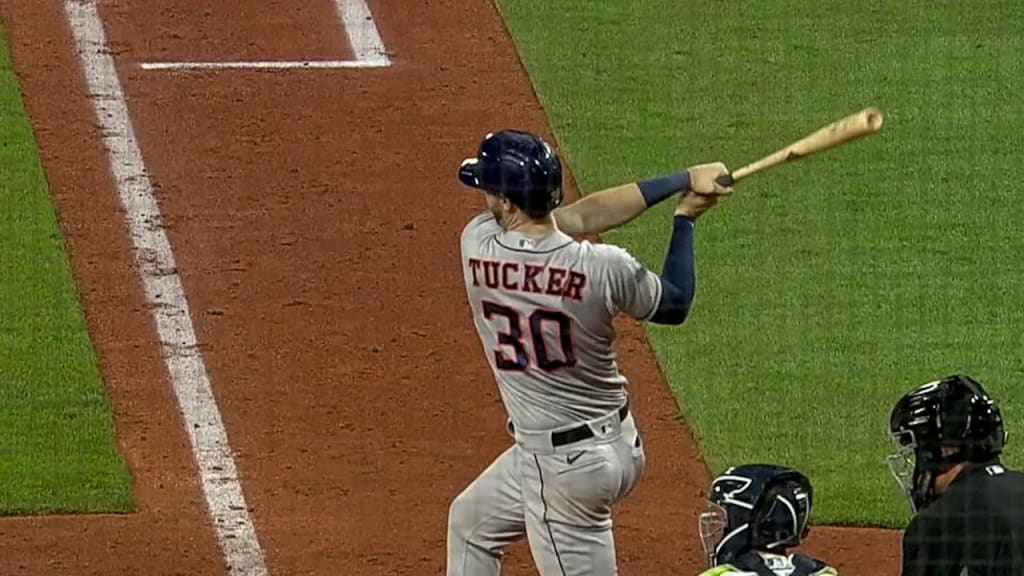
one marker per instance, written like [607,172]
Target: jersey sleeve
[481,227]
[630,288]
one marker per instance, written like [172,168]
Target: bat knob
[724,180]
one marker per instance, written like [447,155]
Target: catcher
[756,512]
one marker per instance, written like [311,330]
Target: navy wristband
[657,189]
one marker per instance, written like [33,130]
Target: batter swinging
[543,305]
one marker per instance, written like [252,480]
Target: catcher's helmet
[519,166]
[755,507]
[938,425]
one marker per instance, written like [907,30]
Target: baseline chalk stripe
[356,22]
[362,31]
[268,65]
[217,473]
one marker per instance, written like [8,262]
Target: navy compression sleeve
[678,279]
[657,189]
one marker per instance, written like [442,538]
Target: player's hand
[692,204]
[703,176]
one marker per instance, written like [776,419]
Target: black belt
[581,432]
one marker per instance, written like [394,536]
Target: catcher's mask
[519,166]
[937,426]
[755,507]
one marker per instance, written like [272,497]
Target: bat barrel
[873,117]
[842,131]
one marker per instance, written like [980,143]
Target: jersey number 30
[512,340]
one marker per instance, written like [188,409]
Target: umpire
[968,508]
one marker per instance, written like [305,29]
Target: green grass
[57,452]
[828,287]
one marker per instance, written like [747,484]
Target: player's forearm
[610,208]
[678,275]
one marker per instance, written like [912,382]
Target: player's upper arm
[630,288]
[568,220]
[914,555]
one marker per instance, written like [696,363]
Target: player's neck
[943,480]
[540,226]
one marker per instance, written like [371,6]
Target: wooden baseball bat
[863,123]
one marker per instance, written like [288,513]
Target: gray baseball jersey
[543,308]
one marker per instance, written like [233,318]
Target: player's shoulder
[995,477]
[483,220]
[616,264]
[934,524]
[481,226]
[1013,472]
[610,254]
[1011,485]
[942,514]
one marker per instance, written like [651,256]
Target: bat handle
[725,180]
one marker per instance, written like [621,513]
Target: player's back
[977,524]
[543,308]
[1002,490]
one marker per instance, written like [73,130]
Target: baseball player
[543,305]
[756,512]
[968,508]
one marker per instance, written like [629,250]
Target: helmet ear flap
[557,196]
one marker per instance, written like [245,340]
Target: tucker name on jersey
[529,278]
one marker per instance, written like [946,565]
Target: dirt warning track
[314,218]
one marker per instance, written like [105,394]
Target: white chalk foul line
[166,298]
[267,65]
[359,27]
[362,31]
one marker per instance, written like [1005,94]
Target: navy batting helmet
[938,425]
[755,507]
[519,166]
